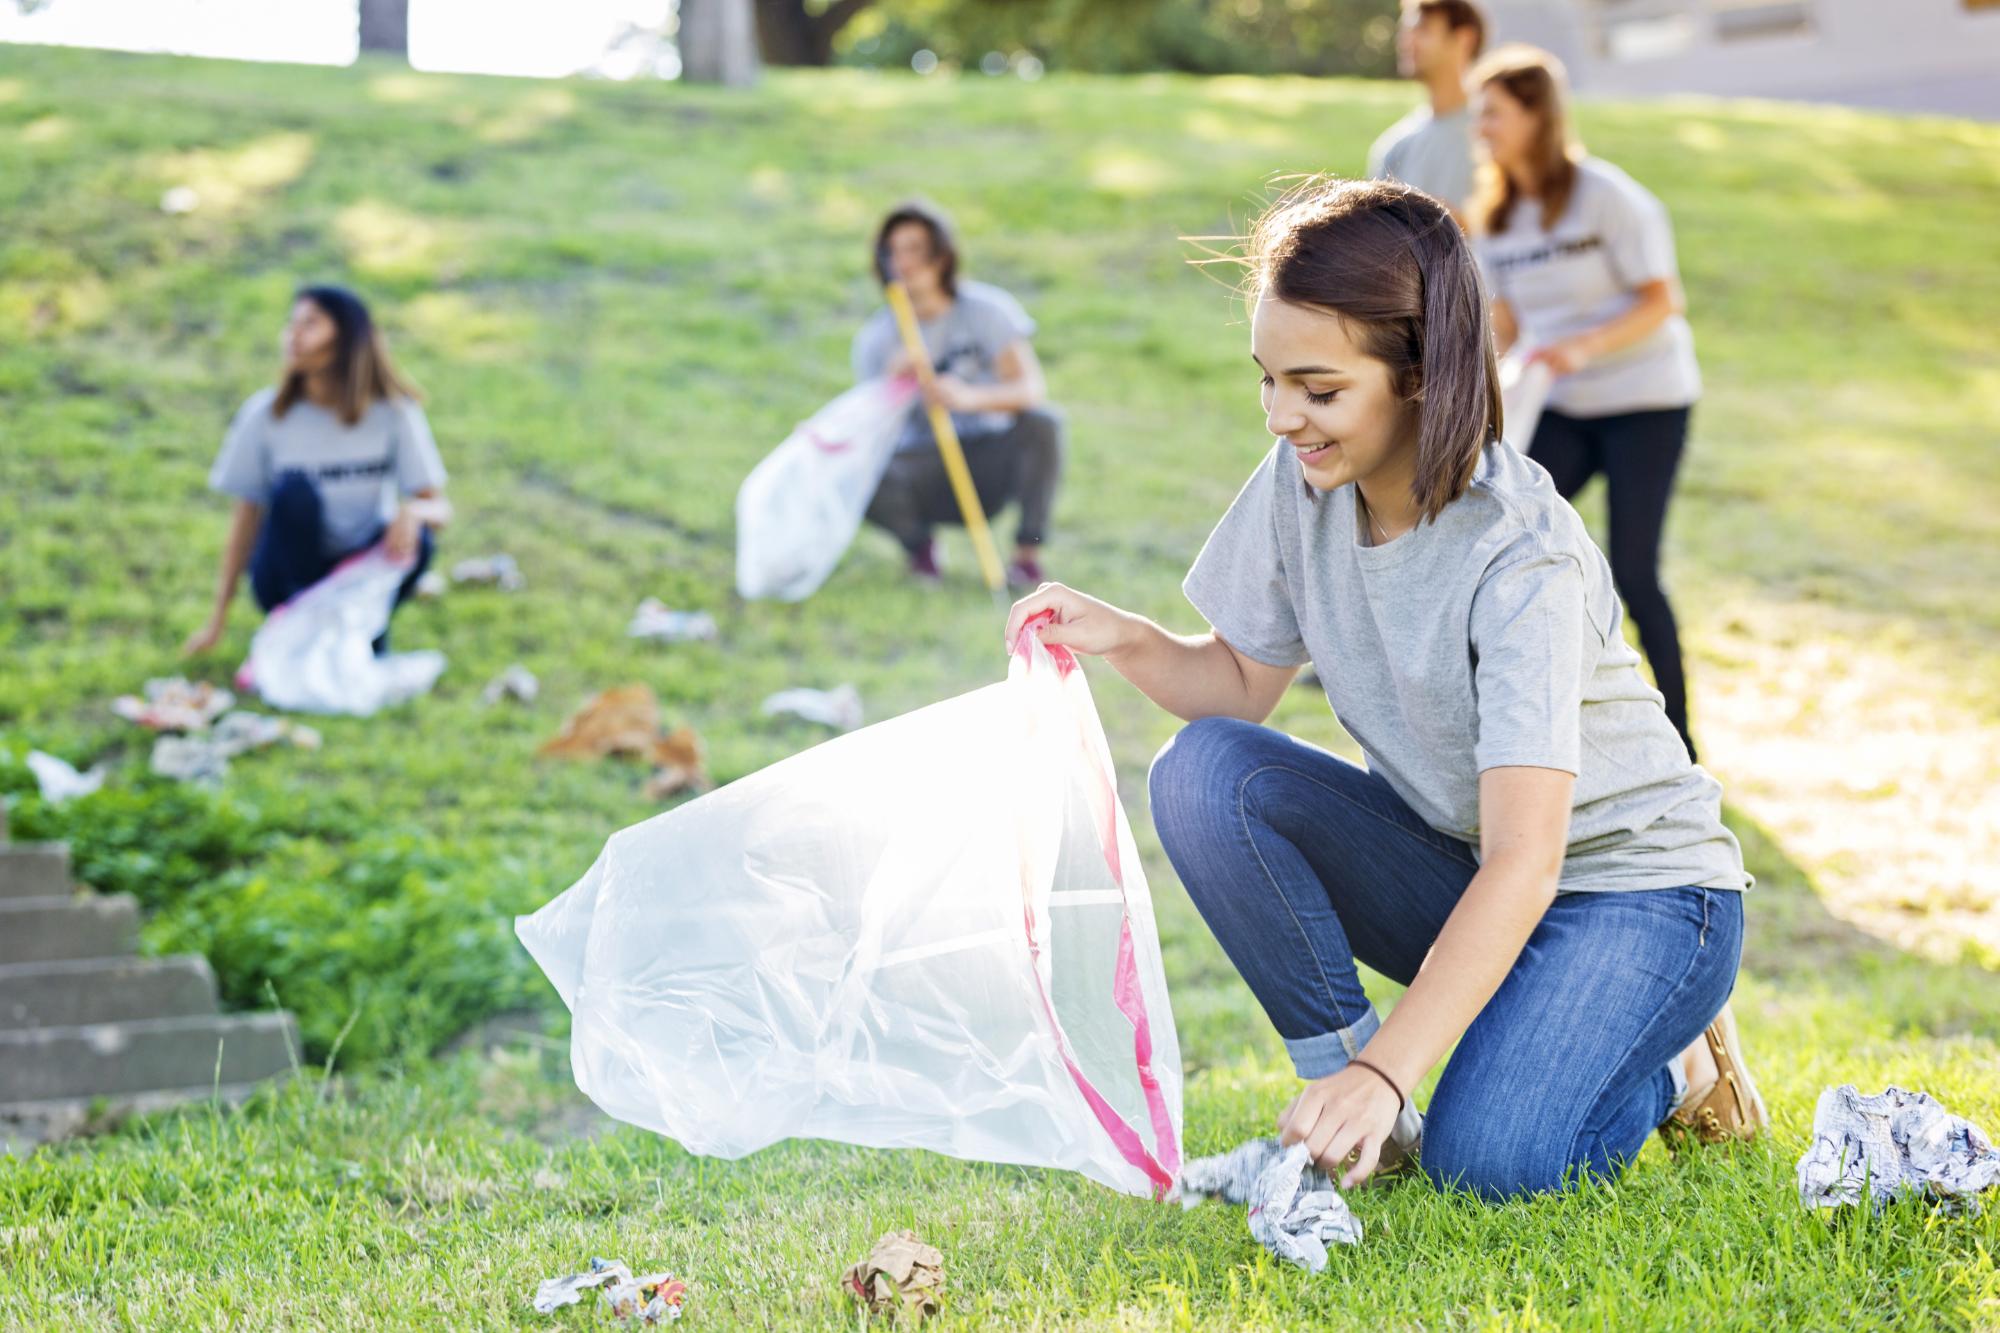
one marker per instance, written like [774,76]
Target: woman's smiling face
[1335,405]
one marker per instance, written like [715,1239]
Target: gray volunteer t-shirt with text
[1489,638]
[966,341]
[1586,271]
[359,470]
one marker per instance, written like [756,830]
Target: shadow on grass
[1794,943]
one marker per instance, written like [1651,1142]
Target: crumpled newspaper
[57,779]
[174,703]
[1294,1209]
[656,620]
[900,1273]
[654,1298]
[499,571]
[1893,1144]
[516,682]
[839,708]
[204,756]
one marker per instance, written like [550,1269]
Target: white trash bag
[1524,390]
[799,508]
[314,654]
[931,933]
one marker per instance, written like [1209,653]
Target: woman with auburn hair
[1529,848]
[1580,260]
[334,458]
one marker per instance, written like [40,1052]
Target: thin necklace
[1373,524]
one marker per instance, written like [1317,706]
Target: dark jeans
[1302,863]
[1638,453]
[1023,462]
[290,555]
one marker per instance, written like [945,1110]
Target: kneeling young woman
[1529,848]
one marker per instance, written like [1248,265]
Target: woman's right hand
[1082,624]
[203,639]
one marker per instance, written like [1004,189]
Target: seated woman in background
[987,377]
[334,459]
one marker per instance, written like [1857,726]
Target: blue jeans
[290,555]
[1302,863]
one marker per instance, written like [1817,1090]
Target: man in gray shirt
[1431,148]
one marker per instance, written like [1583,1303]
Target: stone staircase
[88,1029]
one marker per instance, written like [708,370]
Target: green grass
[618,298]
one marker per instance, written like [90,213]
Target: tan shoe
[1727,1110]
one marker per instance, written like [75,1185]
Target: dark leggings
[1023,462]
[1637,452]
[290,555]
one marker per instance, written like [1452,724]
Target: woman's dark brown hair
[361,369]
[944,246]
[1391,263]
[1536,80]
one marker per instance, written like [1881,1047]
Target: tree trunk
[791,35]
[385,26]
[718,40]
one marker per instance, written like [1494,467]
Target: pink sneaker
[1025,574]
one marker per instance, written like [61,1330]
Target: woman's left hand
[1350,1112]
[1562,358]
[402,535]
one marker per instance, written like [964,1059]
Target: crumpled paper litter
[1294,1210]
[900,1274]
[1894,1143]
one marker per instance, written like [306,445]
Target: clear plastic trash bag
[1524,391]
[930,933]
[799,508]
[315,653]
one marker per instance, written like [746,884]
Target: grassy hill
[617,298]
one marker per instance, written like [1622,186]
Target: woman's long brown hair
[1536,80]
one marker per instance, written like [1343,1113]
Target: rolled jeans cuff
[1329,1052]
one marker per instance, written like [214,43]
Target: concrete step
[25,1126]
[47,930]
[34,869]
[114,1060]
[104,990]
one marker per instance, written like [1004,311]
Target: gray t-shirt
[359,470]
[966,341]
[1585,271]
[1431,152]
[1490,638]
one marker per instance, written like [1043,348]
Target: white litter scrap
[174,703]
[496,571]
[654,1298]
[1894,1144]
[1294,1210]
[189,759]
[839,708]
[656,620]
[516,682]
[204,756]
[58,780]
